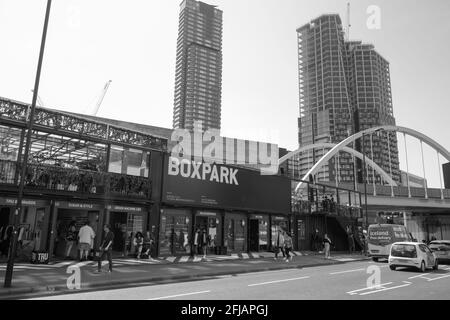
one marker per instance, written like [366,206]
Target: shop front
[68,218]
[258,232]
[231,205]
[278,221]
[126,222]
[33,226]
[175,232]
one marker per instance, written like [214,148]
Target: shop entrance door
[254,235]
[118,222]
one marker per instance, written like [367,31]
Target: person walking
[86,237]
[350,239]
[106,248]
[138,243]
[70,238]
[288,245]
[327,243]
[279,244]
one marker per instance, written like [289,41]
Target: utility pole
[365,181]
[18,210]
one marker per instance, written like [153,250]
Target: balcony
[50,177]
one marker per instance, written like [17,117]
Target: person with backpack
[288,245]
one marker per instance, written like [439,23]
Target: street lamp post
[18,210]
[365,181]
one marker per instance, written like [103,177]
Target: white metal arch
[440,149]
[357,154]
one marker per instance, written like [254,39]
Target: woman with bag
[70,239]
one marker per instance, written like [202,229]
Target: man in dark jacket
[106,248]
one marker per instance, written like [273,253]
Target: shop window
[174,235]
[129,161]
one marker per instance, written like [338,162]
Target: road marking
[180,295]
[245,256]
[339,272]
[419,276]
[184,259]
[276,281]
[61,264]
[390,288]
[171,259]
[381,285]
[197,259]
[439,277]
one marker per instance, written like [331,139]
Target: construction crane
[100,99]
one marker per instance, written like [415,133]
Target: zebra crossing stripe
[61,264]
[197,259]
[184,259]
[171,259]
[245,256]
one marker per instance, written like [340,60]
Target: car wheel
[436,265]
[422,266]
[392,267]
[375,259]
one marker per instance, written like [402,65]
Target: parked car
[441,248]
[412,254]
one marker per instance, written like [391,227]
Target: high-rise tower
[344,88]
[198,75]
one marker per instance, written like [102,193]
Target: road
[350,281]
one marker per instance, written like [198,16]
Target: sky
[92,41]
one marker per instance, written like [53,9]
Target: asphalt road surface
[350,281]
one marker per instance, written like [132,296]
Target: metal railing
[50,177]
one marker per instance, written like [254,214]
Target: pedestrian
[327,243]
[86,237]
[279,243]
[106,248]
[148,243]
[138,244]
[288,245]
[351,241]
[204,242]
[70,238]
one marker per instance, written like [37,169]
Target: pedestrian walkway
[60,277]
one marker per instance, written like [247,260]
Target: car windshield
[404,250]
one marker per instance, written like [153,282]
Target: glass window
[129,161]
[404,250]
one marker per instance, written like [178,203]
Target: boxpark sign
[226,187]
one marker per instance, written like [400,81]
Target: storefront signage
[203,213]
[202,171]
[228,188]
[39,257]
[125,209]
[25,202]
[279,218]
[77,205]
[258,217]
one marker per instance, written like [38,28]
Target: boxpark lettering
[202,171]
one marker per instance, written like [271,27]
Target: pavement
[63,277]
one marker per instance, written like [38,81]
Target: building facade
[198,75]
[344,87]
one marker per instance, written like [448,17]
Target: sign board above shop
[224,187]
[78,205]
[124,209]
[25,202]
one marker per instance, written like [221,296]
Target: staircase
[337,229]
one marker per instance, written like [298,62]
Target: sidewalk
[58,278]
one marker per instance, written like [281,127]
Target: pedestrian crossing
[136,262]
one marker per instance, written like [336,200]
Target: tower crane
[100,99]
